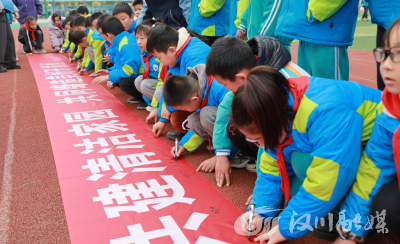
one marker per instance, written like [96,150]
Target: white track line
[6,190]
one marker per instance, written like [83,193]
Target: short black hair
[73,12]
[77,36]
[66,20]
[228,56]
[162,37]
[29,19]
[95,16]
[79,21]
[178,89]
[100,20]
[112,25]
[88,23]
[55,15]
[146,26]
[136,2]
[122,7]
[82,10]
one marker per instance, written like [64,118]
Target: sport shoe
[240,161]
[326,232]
[149,108]
[40,51]
[133,100]
[173,134]
[142,106]
[251,166]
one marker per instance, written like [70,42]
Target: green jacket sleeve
[98,56]
[243,20]
[221,141]
[241,7]
[67,42]
[210,7]
[78,53]
[321,10]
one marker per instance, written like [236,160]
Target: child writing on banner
[107,52]
[229,61]
[376,189]
[67,28]
[96,44]
[199,94]
[177,50]
[79,23]
[56,32]
[146,83]
[127,58]
[31,37]
[302,116]
[123,12]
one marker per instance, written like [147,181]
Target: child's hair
[95,16]
[386,37]
[178,89]
[136,2]
[66,20]
[146,26]
[88,22]
[228,56]
[122,7]
[261,105]
[73,13]
[29,19]
[82,10]
[100,20]
[79,21]
[55,15]
[77,36]
[163,36]
[112,25]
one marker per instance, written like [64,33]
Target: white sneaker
[40,51]
[149,108]
[240,161]
[251,166]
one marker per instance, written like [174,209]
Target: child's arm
[78,54]
[221,141]
[98,56]
[130,64]
[209,7]
[191,141]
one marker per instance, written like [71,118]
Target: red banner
[118,182]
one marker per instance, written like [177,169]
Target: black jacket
[269,51]
[168,10]
[25,36]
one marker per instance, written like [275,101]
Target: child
[137,5]
[178,50]
[80,38]
[83,11]
[229,61]
[31,37]
[311,116]
[364,3]
[97,43]
[191,93]
[56,32]
[66,26]
[127,58]
[108,53]
[79,23]
[146,83]
[376,188]
[124,13]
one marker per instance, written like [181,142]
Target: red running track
[32,211]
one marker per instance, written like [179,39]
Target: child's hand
[103,72]
[241,34]
[158,128]
[273,236]
[222,170]
[165,113]
[83,72]
[180,151]
[106,58]
[249,200]
[100,79]
[257,222]
[94,74]
[62,50]
[341,241]
[152,117]
[208,166]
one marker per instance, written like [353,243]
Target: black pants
[127,85]
[379,34]
[388,198]
[239,140]
[7,46]
[365,15]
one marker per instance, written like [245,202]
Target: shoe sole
[133,101]
[140,108]
[238,166]
[325,236]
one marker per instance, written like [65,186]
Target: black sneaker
[2,69]
[133,100]
[326,230]
[142,106]
[173,134]
[15,66]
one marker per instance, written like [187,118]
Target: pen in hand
[251,216]
[176,148]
